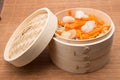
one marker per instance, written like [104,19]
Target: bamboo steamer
[28,41]
[77,56]
[84,55]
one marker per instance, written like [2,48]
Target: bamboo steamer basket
[82,56]
[69,55]
[34,38]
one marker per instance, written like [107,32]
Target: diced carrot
[95,31]
[80,35]
[59,33]
[61,23]
[105,29]
[77,24]
[101,22]
[77,34]
[67,26]
[86,19]
[94,18]
[85,36]
[69,13]
[94,35]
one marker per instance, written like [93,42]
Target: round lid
[31,37]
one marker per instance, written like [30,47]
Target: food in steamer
[81,26]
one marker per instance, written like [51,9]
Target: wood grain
[42,68]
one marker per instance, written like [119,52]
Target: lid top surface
[29,34]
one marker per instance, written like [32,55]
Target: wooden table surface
[42,68]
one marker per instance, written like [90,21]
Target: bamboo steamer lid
[31,37]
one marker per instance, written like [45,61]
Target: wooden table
[42,68]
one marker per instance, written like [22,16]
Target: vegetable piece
[60,30]
[79,14]
[95,35]
[79,34]
[69,34]
[105,29]
[94,18]
[61,23]
[94,31]
[85,36]
[88,26]
[59,33]
[70,13]
[68,19]
[75,25]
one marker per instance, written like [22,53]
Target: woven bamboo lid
[31,37]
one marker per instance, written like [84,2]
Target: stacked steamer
[82,56]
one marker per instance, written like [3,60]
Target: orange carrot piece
[94,18]
[79,34]
[67,27]
[101,22]
[77,25]
[86,19]
[105,29]
[85,36]
[69,13]
[95,31]
[61,23]
[94,35]
[59,33]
